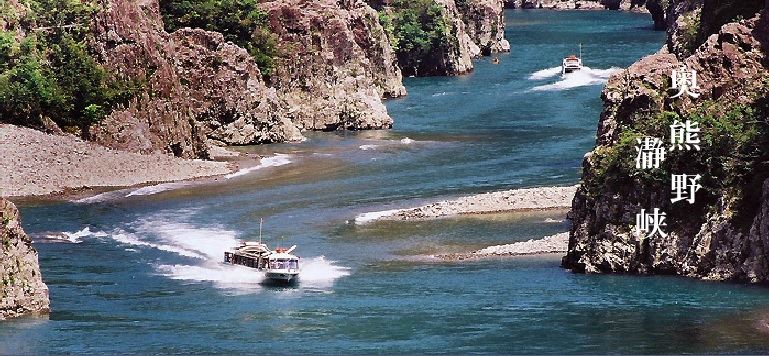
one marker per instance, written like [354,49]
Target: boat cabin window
[283,264]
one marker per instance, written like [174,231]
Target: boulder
[22,291]
[485,24]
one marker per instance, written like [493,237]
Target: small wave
[584,77]
[274,161]
[368,147]
[375,215]
[100,197]
[74,237]
[154,189]
[545,73]
[133,240]
[407,141]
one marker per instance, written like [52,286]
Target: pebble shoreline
[557,243]
[37,164]
[541,198]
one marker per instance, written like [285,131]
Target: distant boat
[572,63]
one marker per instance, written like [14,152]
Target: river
[142,272]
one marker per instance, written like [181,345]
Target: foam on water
[546,73]
[368,147]
[100,197]
[314,272]
[75,237]
[154,189]
[407,141]
[584,77]
[274,161]
[118,194]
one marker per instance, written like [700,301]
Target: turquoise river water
[142,271]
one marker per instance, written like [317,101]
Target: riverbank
[541,198]
[557,243]
[37,164]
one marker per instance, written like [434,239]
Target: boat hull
[282,276]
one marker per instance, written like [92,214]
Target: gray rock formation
[726,235]
[335,67]
[199,87]
[336,64]
[22,291]
[485,24]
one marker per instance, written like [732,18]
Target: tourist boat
[282,265]
[278,266]
[572,63]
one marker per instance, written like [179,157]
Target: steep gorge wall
[725,236]
[444,44]
[335,64]
[485,24]
[199,87]
[22,291]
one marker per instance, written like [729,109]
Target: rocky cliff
[199,87]
[485,24]
[334,68]
[22,291]
[335,64]
[725,234]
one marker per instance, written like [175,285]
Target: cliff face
[485,24]
[22,291]
[335,67]
[725,235]
[430,37]
[199,87]
[335,64]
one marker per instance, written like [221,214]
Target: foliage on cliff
[240,21]
[417,29]
[47,71]
[731,160]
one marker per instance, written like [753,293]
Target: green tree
[417,29]
[50,73]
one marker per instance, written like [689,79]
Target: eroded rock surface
[334,69]
[485,24]
[198,87]
[335,66]
[22,291]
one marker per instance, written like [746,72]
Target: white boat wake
[584,77]
[204,248]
